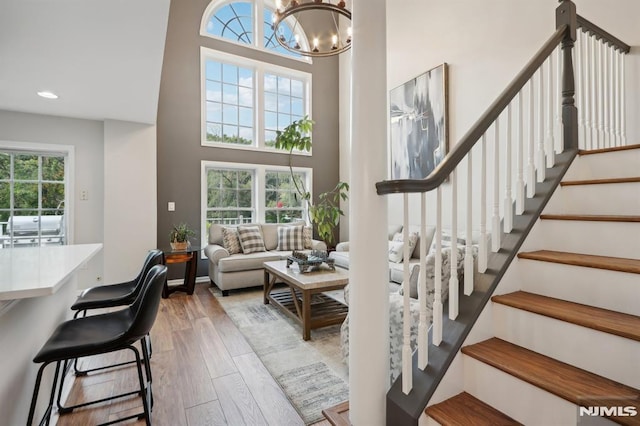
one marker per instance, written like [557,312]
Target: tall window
[236,21]
[235,193]
[245,101]
[229,103]
[32,198]
[230,196]
[284,102]
[282,200]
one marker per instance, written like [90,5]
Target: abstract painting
[419,124]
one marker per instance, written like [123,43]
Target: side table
[188,256]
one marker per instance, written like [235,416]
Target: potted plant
[179,237]
[325,213]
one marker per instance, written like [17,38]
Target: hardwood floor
[204,373]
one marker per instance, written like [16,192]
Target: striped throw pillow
[307,237]
[230,240]
[251,239]
[290,238]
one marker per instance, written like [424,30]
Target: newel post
[566,15]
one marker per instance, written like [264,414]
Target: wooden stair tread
[600,181]
[586,260]
[573,384]
[604,150]
[338,415]
[617,323]
[464,409]
[591,217]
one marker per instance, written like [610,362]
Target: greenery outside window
[33,189]
[283,204]
[230,196]
[235,193]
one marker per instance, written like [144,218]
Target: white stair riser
[517,399]
[611,198]
[616,291]
[603,166]
[600,353]
[616,239]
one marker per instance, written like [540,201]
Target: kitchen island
[37,287]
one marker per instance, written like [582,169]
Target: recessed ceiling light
[47,94]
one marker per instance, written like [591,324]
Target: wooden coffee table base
[307,306]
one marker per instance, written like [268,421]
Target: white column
[369,263]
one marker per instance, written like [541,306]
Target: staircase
[565,319]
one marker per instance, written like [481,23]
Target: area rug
[311,374]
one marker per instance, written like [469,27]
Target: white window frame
[259,192]
[258,29]
[259,71]
[68,151]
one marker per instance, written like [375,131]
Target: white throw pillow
[396,246]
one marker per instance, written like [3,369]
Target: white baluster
[595,141]
[578,95]
[612,97]
[437,300]
[558,102]
[606,99]
[549,146]
[584,87]
[616,99]
[520,144]
[423,326]
[540,163]
[495,229]
[484,236]
[601,137]
[531,168]
[508,200]
[468,254]
[453,279]
[407,377]
[623,105]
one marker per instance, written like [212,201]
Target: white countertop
[40,271]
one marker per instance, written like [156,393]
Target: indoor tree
[325,213]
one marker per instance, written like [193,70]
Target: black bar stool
[105,333]
[108,296]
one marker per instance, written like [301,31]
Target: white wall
[86,136]
[485,43]
[130,220]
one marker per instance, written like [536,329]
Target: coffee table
[303,301]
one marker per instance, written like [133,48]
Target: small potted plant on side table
[179,237]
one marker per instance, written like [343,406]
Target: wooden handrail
[451,161]
[601,34]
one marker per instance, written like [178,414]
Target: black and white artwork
[419,124]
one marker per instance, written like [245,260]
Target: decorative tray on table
[312,261]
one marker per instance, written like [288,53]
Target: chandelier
[333,39]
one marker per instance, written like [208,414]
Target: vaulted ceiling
[102,57]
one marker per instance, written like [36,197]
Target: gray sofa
[396,270]
[233,271]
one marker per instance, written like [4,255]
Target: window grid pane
[229,103]
[281,106]
[230,197]
[32,193]
[283,202]
[233,21]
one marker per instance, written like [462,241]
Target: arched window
[236,21]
